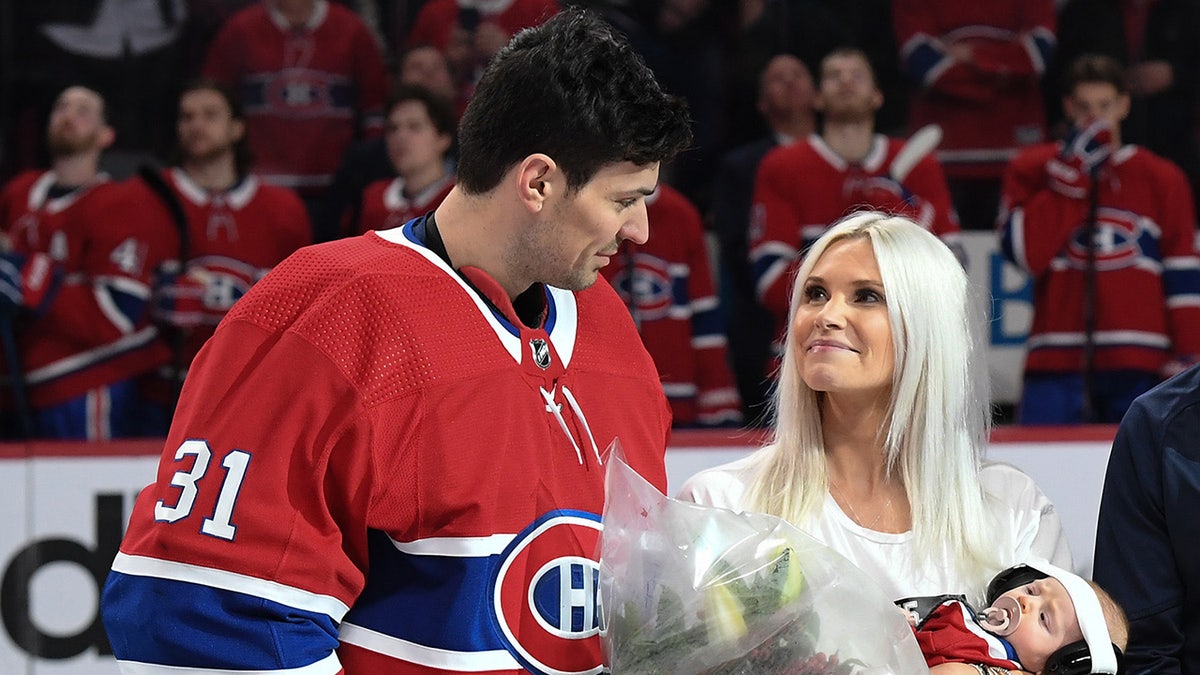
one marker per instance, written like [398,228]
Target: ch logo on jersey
[299,92]
[1118,240]
[545,595]
[647,287]
[541,352]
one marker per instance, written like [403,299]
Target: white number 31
[217,525]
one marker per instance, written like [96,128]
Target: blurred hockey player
[802,188]
[76,282]
[419,133]
[667,284]
[235,228]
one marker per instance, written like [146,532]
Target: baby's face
[1048,622]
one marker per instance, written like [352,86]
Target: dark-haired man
[389,457]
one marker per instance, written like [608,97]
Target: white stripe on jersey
[456,547]
[431,657]
[274,591]
[326,666]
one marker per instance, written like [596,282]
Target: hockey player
[420,131]
[1107,231]
[311,79]
[390,456]
[237,228]
[77,282]
[667,284]
[802,188]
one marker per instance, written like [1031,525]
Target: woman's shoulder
[724,485]
[1012,487]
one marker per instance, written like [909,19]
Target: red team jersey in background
[306,93]
[438,18]
[393,463]
[1148,272]
[96,330]
[803,188]
[237,236]
[667,284]
[385,206]
[988,109]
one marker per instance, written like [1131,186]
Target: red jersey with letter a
[96,330]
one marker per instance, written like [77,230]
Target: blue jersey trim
[196,626]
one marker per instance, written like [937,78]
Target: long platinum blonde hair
[938,417]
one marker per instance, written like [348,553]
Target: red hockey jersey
[1147,267]
[667,284]
[385,206]
[96,330]
[370,457]
[951,634]
[438,18]
[235,237]
[803,188]
[307,93]
[989,106]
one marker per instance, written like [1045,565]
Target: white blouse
[1027,529]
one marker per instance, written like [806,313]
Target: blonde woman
[881,420]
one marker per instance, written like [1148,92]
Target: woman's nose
[831,314]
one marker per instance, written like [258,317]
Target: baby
[1041,619]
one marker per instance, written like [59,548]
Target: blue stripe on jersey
[922,59]
[708,322]
[198,626]
[763,264]
[132,307]
[436,601]
[1181,281]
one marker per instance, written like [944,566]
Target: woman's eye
[812,293]
[867,295]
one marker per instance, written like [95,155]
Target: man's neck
[214,175]
[76,170]
[795,126]
[851,140]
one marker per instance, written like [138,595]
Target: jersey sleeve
[1035,222]
[717,400]
[928,182]
[108,297]
[1140,518]
[998,54]
[1181,263]
[774,232]
[250,546]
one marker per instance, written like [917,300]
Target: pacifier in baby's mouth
[1002,617]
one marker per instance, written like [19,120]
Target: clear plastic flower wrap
[694,589]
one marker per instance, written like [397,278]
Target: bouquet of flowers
[694,589]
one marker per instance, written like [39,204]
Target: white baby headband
[1091,617]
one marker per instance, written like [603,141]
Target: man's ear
[537,178]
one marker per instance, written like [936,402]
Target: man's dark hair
[1095,68]
[241,149]
[440,112]
[575,90]
[849,52]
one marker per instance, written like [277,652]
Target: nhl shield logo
[541,352]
